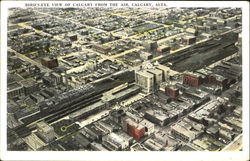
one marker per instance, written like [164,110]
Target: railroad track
[26,128]
[30,123]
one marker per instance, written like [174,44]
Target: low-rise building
[172,91]
[49,62]
[15,89]
[115,142]
[157,117]
[45,131]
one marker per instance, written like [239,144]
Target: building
[166,71]
[153,145]
[150,45]
[97,147]
[138,147]
[49,62]
[205,111]
[115,142]
[133,129]
[84,32]
[66,42]
[87,111]
[101,48]
[45,131]
[218,80]
[162,137]
[72,37]
[30,86]
[163,49]
[157,117]
[145,80]
[158,75]
[37,98]
[182,133]
[146,56]
[188,40]
[117,115]
[192,79]
[149,126]
[227,135]
[56,77]
[34,142]
[172,91]
[15,89]
[213,130]
[149,76]
[137,129]
[192,31]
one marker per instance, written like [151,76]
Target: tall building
[158,75]
[151,75]
[150,45]
[145,80]
[166,71]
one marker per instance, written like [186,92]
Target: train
[66,99]
[119,96]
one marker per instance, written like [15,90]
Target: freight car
[87,111]
[66,99]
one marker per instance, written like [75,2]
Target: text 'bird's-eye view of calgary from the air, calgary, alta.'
[124,79]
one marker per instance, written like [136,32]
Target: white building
[145,80]
[45,131]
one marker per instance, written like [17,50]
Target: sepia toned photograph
[128,76]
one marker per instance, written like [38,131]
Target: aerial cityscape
[124,79]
